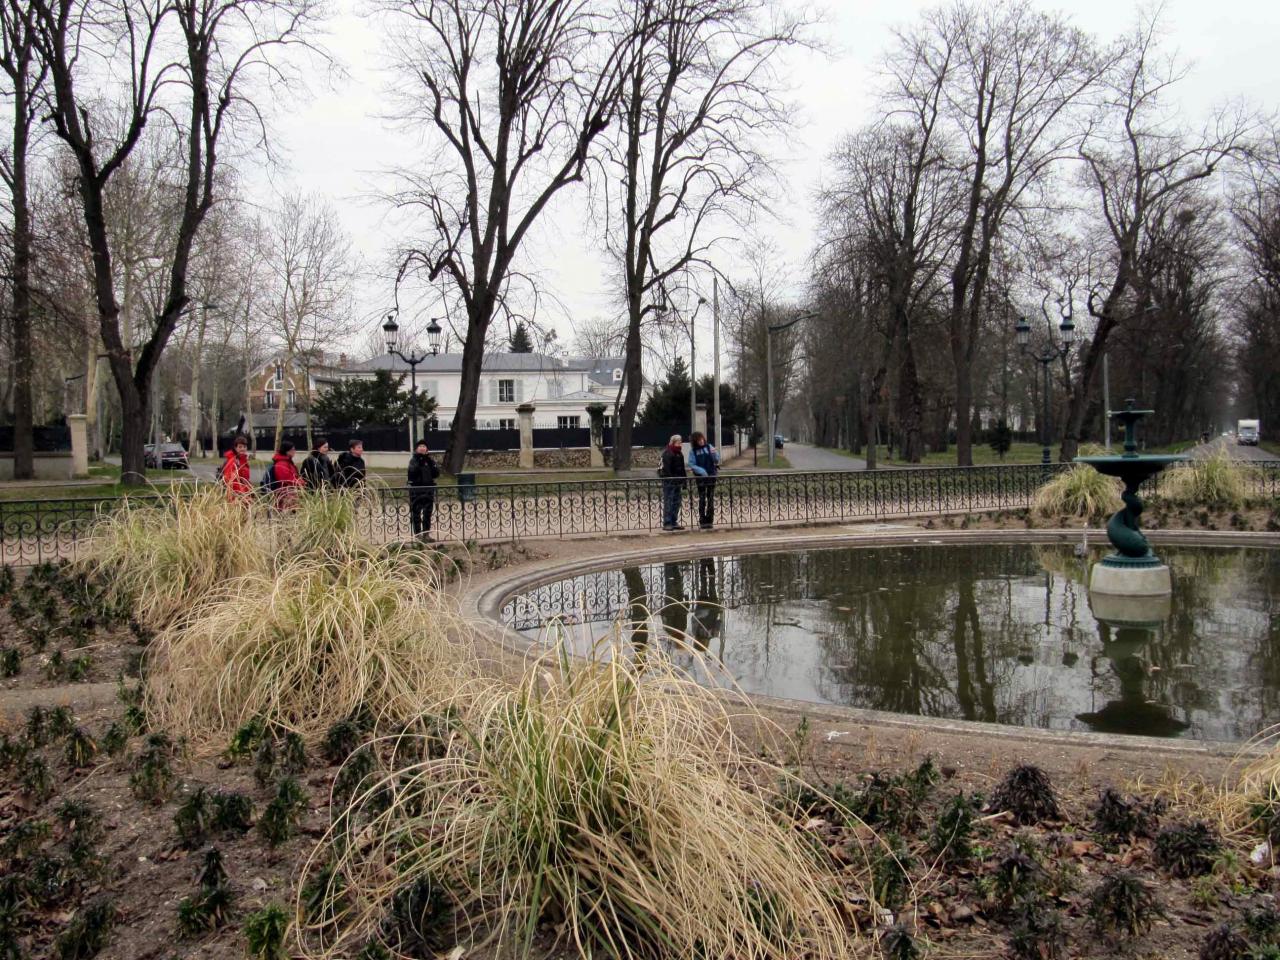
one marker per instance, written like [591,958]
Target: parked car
[777,441]
[166,456]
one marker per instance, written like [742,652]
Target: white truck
[1247,433]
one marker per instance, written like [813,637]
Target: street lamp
[391,331]
[768,369]
[1046,355]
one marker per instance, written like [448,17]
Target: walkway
[803,456]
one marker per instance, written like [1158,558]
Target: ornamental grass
[603,803]
[313,641]
[1216,481]
[1079,491]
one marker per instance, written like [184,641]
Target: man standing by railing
[673,475]
[422,490]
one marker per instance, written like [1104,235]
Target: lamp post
[391,330]
[768,370]
[1046,355]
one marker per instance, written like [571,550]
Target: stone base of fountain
[1130,594]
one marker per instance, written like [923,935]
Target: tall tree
[520,341]
[514,92]
[200,90]
[1009,77]
[1140,165]
[24,77]
[697,93]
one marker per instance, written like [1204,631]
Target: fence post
[525,413]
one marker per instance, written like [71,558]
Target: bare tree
[599,338]
[308,260]
[514,93]
[1140,165]
[1008,77]
[697,93]
[215,45]
[24,77]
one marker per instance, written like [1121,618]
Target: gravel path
[802,456]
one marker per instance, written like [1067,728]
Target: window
[293,399]
[506,391]
[568,423]
[506,423]
[269,400]
[279,372]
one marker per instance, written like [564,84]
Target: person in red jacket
[235,472]
[284,479]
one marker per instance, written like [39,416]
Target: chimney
[342,361]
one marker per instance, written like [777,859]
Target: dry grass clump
[307,644]
[1216,481]
[158,557]
[604,798]
[1081,492]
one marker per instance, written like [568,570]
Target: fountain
[1132,585]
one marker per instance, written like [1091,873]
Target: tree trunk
[280,397]
[910,406]
[193,430]
[23,422]
[134,411]
[464,419]
[634,377]
[963,408]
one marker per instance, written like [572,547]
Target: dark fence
[36,530]
[45,439]
[396,439]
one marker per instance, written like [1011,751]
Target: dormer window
[279,372]
[617,374]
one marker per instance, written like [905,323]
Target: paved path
[802,456]
[1234,450]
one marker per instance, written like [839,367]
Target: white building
[560,389]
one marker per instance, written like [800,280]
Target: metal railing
[35,530]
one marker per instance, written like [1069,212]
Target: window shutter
[519,390]
[493,391]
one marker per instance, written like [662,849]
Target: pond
[997,633]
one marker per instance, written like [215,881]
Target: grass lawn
[1271,446]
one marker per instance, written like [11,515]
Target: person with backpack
[235,472]
[673,475]
[422,490]
[704,461]
[282,480]
[351,471]
[317,470]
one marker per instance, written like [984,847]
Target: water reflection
[996,633]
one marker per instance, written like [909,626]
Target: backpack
[268,479]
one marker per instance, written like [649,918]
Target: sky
[337,142]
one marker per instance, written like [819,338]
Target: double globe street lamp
[1049,353]
[391,331]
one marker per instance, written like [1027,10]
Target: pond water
[999,633]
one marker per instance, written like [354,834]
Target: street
[1232,449]
[802,456]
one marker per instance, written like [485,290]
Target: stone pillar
[596,412]
[525,412]
[79,445]
[700,420]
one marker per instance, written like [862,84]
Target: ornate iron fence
[36,530]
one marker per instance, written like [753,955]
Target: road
[802,456]
[206,470]
[1232,449]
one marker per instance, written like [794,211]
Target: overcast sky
[336,143]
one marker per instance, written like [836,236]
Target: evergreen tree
[358,403]
[520,341]
[669,403]
[1001,439]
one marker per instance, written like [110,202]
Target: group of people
[704,465]
[283,480]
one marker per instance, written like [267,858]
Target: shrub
[232,811]
[81,749]
[1079,491]
[606,794]
[87,933]
[896,943]
[194,818]
[1123,903]
[1027,793]
[1036,931]
[306,647]
[341,740]
[1224,943]
[891,873]
[153,778]
[161,559]
[265,932]
[280,816]
[953,830]
[1187,849]
[1216,481]
[1120,817]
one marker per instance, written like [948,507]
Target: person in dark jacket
[317,469]
[673,475]
[422,490]
[704,461]
[350,474]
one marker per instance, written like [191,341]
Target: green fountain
[1131,585]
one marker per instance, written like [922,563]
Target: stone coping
[483,601]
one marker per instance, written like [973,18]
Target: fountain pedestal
[1132,585]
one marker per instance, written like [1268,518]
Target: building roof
[599,370]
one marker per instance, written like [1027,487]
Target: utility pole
[1106,400]
[693,371]
[715,370]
